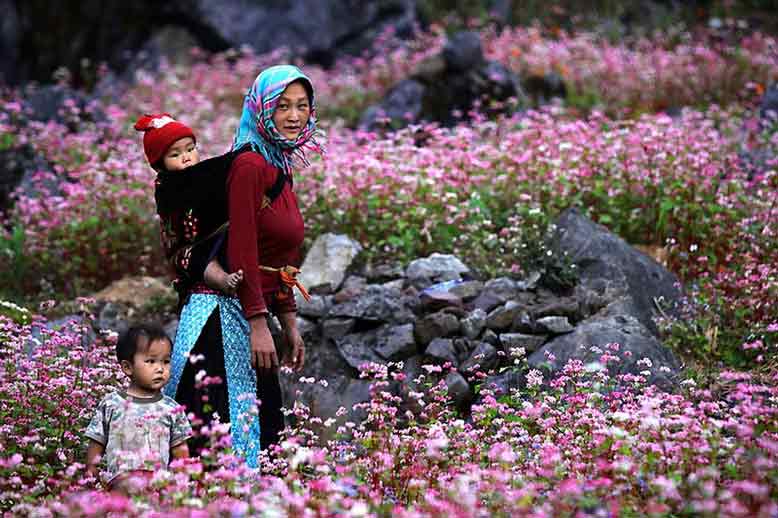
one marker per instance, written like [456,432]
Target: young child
[171,149]
[139,430]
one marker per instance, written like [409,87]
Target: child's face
[149,370]
[181,155]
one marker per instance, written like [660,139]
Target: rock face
[608,264]
[36,38]
[446,87]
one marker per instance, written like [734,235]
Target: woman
[265,235]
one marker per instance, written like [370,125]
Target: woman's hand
[263,350]
[296,357]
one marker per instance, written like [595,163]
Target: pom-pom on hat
[159,133]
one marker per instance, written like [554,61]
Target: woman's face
[293,111]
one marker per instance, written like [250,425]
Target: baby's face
[181,155]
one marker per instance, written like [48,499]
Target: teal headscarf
[256,122]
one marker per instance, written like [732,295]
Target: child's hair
[127,345]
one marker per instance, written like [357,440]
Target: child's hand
[233,281]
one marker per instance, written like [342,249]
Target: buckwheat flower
[689,383]
[323,383]
[200,376]
[664,369]
[534,378]
[518,352]
[645,361]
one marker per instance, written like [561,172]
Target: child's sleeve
[180,429]
[98,426]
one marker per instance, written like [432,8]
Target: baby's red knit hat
[159,133]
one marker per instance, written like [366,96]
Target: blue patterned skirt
[241,378]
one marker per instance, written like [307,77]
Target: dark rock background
[37,37]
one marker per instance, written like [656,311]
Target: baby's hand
[233,281]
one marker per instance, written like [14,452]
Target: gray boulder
[442,350]
[458,389]
[377,304]
[325,265]
[402,102]
[434,269]
[624,330]
[474,323]
[436,325]
[604,257]
[396,342]
[502,318]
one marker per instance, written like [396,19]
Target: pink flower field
[592,446]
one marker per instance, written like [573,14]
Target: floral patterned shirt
[137,433]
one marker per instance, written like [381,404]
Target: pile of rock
[434,311]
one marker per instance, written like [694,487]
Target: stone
[171,328]
[435,268]
[542,89]
[530,343]
[491,337]
[625,330]
[135,291]
[356,350]
[462,52]
[309,331]
[411,370]
[487,301]
[504,288]
[317,307]
[18,168]
[403,102]
[10,31]
[555,325]
[440,324]
[114,317]
[473,324]
[601,255]
[376,303]
[352,287]
[327,261]
[524,323]
[559,306]
[458,389]
[442,350]
[463,347]
[467,290]
[112,30]
[337,327]
[502,318]
[483,359]
[436,300]
[396,343]
[383,273]
[530,282]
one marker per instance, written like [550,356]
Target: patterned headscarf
[256,122]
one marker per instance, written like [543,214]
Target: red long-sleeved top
[271,236]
